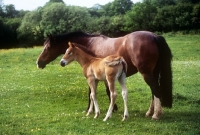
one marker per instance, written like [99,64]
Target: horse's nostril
[62,63]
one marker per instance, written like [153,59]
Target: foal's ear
[71,44]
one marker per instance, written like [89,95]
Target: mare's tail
[165,72]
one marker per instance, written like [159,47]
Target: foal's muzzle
[63,62]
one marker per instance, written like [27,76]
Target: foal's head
[69,55]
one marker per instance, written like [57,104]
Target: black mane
[79,34]
[83,48]
[57,39]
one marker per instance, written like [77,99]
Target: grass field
[51,101]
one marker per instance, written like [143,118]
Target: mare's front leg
[93,101]
[108,93]
[155,108]
[113,95]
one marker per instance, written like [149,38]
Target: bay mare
[144,52]
[110,69]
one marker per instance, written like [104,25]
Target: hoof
[88,113]
[154,117]
[124,118]
[115,108]
[148,114]
[106,118]
[97,115]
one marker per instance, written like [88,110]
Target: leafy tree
[183,16]
[94,11]
[56,1]
[195,20]
[165,19]
[106,10]
[30,30]
[121,6]
[21,13]
[59,18]
[1,9]
[188,1]
[8,32]
[140,17]
[161,3]
[53,18]
[104,26]
[53,1]
[77,18]
[10,11]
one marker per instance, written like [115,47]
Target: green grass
[51,101]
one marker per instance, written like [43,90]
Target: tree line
[27,28]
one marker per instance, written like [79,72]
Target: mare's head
[57,45]
[69,55]
[53,47]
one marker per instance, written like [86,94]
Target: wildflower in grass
[38,129]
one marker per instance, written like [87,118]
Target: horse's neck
[81,41]
[82,57]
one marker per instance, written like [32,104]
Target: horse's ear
[71,44]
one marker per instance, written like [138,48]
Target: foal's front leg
[93,101]
[108,93]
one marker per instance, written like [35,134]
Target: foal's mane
[67,36]
[83,48]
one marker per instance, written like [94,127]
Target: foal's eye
[69,53]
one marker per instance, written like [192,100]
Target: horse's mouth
[40,65]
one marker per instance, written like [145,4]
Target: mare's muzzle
[40,64]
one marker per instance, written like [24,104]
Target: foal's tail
[165,72]
[113,60]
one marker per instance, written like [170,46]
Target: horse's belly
[100,75]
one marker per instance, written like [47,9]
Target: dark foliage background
[117,18]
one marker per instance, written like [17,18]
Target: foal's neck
[82,57]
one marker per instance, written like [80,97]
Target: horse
[110,69]
[144,51]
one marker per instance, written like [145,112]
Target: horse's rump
[113,60]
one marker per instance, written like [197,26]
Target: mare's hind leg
[122,81]
[155,108]
[108,93]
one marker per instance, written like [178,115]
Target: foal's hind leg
[122,81]
[155,108]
